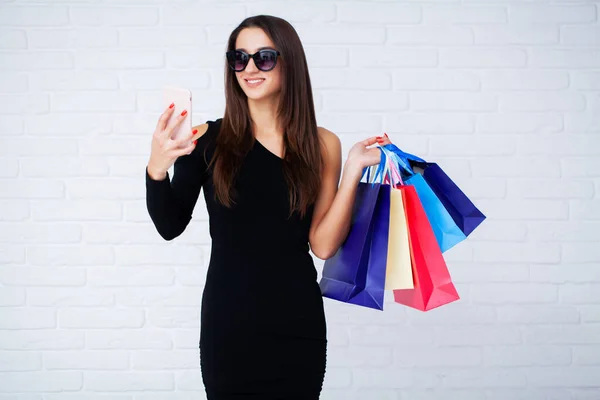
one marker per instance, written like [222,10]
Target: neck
[264,116]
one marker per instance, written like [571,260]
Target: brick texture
[504,95]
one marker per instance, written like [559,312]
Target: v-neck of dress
[267,150]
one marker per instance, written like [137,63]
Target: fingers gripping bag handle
[368,172]
[373,177]
[386,172]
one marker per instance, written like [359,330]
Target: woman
[270,179]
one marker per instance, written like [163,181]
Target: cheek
[238,79]
[276,80]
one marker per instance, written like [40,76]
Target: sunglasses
[265,60]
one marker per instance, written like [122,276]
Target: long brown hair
[302,160]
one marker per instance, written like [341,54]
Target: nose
[251,67]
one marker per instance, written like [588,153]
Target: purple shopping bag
[356,273]
[462,210]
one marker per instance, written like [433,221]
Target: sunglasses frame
[252,56]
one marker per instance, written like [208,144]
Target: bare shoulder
[326,134]
[330,140]
[201,130]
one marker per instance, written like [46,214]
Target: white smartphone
[182,98]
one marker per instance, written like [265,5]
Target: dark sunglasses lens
[237,60]
[266,60]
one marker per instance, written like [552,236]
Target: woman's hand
[166,150]
[362,156]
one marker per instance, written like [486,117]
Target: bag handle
[368,170]
[386,171]
[392,147]
[403,157]
[393,175]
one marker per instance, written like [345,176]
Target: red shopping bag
[433,286]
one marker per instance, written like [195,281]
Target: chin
[259,96]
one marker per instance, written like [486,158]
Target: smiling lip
[254,82]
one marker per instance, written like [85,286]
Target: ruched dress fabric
[263,328]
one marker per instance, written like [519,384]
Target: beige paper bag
[398,273]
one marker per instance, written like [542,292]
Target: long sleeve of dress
[171,201]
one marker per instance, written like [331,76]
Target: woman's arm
[333,210]
[170,201]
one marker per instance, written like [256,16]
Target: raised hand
[165,150]
[361,155]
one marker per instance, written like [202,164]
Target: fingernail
[172,105]
[195,141]
[385,134]
[195,131]
[183,112]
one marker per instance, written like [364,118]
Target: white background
[504,95]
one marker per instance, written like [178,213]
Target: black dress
[263,331]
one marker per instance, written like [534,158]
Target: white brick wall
[504,95]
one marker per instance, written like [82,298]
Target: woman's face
[257,84]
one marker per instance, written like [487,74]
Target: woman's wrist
[156,174]
[352,172]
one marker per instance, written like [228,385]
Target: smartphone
[182,98]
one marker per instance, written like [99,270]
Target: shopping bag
[433,285]
[447,232]
[398,267]
[462,210]
[356,273]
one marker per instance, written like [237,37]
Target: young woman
[270,177]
